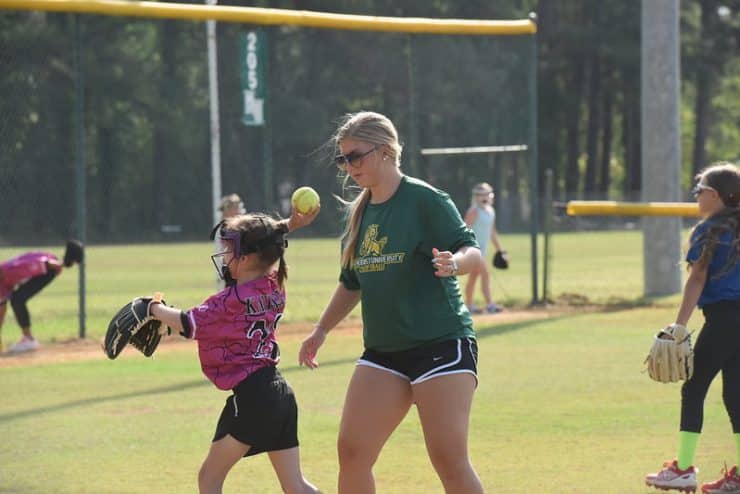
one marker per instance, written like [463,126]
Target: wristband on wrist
[187,330]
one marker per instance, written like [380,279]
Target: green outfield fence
[105,132]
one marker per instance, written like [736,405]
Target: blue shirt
[726,286]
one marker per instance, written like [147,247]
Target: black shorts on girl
[262,413]
[428,361]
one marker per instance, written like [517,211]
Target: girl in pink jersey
[24,276]
[235,330]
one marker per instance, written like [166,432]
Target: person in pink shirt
[24,276]
[235,330]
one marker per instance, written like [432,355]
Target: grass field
[602,267]
[562,407]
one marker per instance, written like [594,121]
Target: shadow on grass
[494,329]
[490,329]
[102,399]
[83,402]
[577,306]
[612,303]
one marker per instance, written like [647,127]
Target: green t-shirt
[403,304]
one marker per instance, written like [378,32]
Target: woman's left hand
[444,263]
[310,346]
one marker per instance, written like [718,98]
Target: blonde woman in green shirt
[403,246]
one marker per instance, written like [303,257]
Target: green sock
[737,445]
[687,448]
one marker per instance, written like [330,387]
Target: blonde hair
[480,188]
[375,129]
[229,201]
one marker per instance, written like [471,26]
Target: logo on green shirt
[371,252]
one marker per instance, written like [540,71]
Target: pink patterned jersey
[20,269]
[235,329]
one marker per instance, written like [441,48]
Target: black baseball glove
[134,324]
[74,252]
[500,260]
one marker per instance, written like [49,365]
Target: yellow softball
[305,199]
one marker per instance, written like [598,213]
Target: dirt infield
[90,349]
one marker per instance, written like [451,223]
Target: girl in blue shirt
[713,285]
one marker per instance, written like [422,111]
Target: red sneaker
[672,477]
[728,484]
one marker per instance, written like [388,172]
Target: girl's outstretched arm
[171,316]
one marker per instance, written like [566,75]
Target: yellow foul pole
[613,208]
[265,16]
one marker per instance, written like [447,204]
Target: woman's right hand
[299,220]
[311,345]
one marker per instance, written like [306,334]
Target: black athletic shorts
[262,413]
[425,362]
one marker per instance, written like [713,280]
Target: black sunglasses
[344,160]
[698,188]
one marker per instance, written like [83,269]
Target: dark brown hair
[723,177]
[264,235]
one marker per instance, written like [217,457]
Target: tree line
[146,136]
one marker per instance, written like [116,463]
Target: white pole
[661,143]
[215,127]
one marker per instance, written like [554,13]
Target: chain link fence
[145,114]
